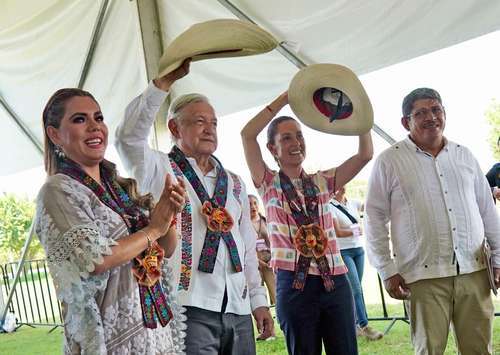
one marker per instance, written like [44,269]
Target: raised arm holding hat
[314,300]
[215,264]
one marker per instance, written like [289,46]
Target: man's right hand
[396,287]
[165,82]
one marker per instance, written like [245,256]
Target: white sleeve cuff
[258,300]
[388,271]
[154,95]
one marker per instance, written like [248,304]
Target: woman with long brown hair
[104,242]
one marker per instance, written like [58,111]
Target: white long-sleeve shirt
[439,208]
[149,167]
[352,207]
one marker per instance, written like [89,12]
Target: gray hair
[176,106]
[419,94]
[182,101]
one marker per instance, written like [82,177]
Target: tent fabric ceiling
[43,45]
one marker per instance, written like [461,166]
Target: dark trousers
[217,333]
[314,316]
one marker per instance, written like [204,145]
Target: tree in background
[356,190]
[16,215]
[493,118]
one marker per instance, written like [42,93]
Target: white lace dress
[102,313]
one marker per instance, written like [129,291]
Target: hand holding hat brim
[216,39]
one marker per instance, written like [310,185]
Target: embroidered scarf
[154,302]
[219,221]
[305,219]
[186,237]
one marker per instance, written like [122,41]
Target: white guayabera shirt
[440,209]
[149,167]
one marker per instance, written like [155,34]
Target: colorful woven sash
[186,237]
[219,221]
[154,302]
[310,240]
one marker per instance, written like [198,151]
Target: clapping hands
[171,202]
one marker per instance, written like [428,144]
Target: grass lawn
[38,341]
[32,341]
[397,341]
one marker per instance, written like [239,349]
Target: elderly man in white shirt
[216,268]
[439,206]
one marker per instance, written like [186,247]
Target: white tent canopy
[48,44]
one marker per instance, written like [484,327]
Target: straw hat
[216,39]
[331,99]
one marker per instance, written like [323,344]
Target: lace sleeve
[82,246]
[71,228]
[70,224]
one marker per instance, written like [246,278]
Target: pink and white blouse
[281,226]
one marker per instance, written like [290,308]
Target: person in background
[347,224]
[432,193]
[493,177]
[263,247]
[104,242]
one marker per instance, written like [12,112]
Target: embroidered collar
[219,221]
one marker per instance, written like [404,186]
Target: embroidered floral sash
[154,302]
[186,237]
[310,240]
[219,221]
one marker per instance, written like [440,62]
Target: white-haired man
[215,263]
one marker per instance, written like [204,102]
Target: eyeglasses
[435,111]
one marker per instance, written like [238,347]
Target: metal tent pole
[20,264]
[24,128]
[294,59]
[152,45]
[88,60]
[96,32]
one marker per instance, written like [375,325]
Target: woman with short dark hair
[314,301]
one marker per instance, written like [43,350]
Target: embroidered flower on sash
[310,240]
[147,269]
[218,218]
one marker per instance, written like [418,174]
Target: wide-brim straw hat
[331,99]
[216,39]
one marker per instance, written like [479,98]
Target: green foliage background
[16,215]
[492,115]
[356,190]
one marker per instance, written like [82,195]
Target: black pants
[314,316]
